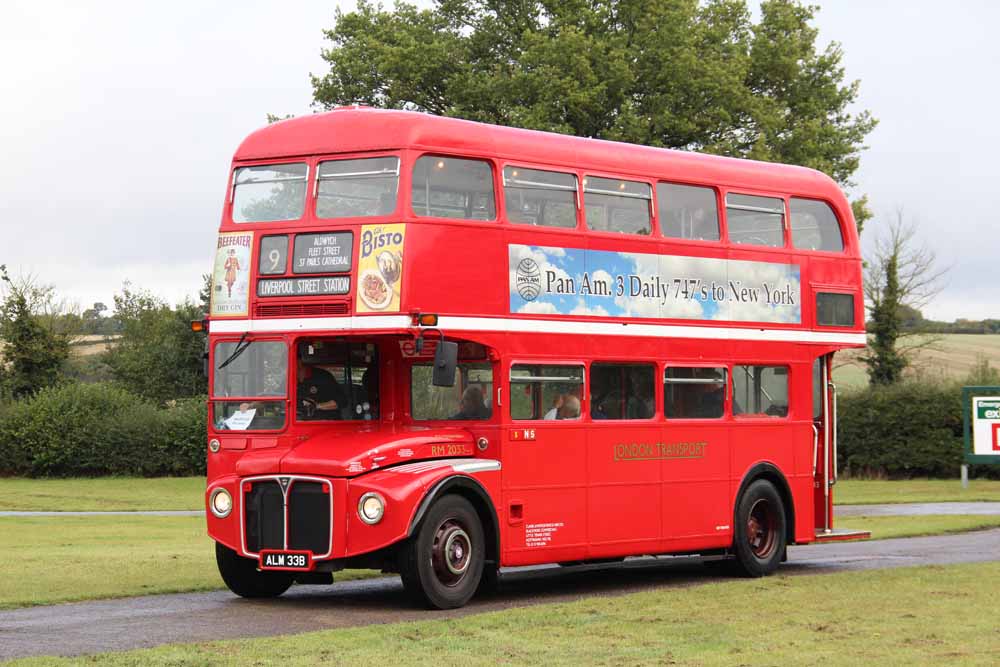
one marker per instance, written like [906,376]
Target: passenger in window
[472,405]
[557,404]
[710,400]
[597,410]
[318,394]
[639,389]
[570,408]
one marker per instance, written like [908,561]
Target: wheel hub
[762,525]
[451,553]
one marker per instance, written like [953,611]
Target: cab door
[544,471]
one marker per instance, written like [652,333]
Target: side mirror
[445,363]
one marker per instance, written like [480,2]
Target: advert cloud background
[119,120]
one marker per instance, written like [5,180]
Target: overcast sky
[118,120]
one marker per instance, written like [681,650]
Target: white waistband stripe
[522,325]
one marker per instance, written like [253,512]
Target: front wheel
[243,578]
[442,563]
[760,530]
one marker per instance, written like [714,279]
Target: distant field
[951,358]
[101,494]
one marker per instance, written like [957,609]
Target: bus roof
[360,129]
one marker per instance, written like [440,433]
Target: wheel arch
[771,473]
[470,489]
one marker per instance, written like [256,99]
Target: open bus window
[614,205]
[760,391]
[755,220]
[269,192]
[694,393]
[448,187]
[814,226]
[545,392]
[535,197]
[622,391]
[687,212]
[357,188]
[336,381]
[470,398]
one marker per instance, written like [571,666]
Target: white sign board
[986,426]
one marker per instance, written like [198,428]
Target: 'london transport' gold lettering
[656,451]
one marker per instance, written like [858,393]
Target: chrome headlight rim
[381,505]
[211,503]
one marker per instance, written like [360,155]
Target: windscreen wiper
[240,349]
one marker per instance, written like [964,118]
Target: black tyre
[243,578]
[442,564]
[760,530]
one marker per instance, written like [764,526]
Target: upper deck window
[814,226]
[448,187]
[687,212]
[535,197]
[269,192]
[357,188]
[756,220]
[614,205]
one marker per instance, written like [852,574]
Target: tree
[157,355]
[901,278]
[669,73]
[33,351]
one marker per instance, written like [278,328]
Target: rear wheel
[442,564]
[760,530]
[243,578]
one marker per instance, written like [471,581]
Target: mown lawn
[61,559]
[186,493]
[878,492]
[914,616]
[102,494]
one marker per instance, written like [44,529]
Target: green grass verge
[886,527]
[62,559]
[878,492]
[185,493]
[912,616]
[102,494]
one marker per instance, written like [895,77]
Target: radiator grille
[305,506]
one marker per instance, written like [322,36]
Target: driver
[318,395]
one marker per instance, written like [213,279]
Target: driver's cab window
[471,398]
[336,380]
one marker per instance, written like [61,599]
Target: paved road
[906,509]
[916,509]
[111,625]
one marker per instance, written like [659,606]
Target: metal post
[826,445]
[965,475]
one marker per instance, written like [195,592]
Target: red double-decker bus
[439,347]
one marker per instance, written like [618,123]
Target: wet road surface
[115,625]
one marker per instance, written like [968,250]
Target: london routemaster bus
[439,347]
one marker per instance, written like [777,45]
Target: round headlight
[221,503]
[214,445]
[371,507]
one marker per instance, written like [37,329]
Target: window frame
[231,204]
[840,226]
[319,161]
[654,231]
[762,415]
[657,397]
[748,192]
[720,206]
[494,408]
[212,398]
[726,385]
[407,182]
[577,194]
[584,385]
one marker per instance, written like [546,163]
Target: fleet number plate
[300,561]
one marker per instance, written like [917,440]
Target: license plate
[300,561]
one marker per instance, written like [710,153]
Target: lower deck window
[470,398]
[694,393]
[760,391]
[545,392]
[622,391]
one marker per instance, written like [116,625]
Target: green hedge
[913,429]
[101,429]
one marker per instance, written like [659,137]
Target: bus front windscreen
[250,388]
